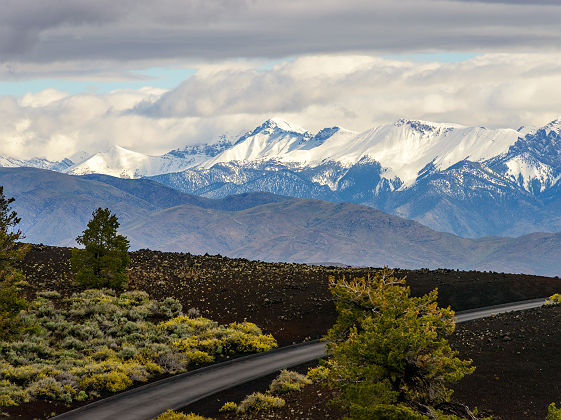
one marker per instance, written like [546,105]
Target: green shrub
[103,342]
[288,381]
[12,394]
[318,374]
[258,402]
[553,413]
[228,407]
[173,415]
[48,294]
[50,389]
[385,412]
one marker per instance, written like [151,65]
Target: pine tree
[389,353]
[104,260]
[11,252]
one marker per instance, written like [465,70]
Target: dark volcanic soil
[517,373]
[518,360]
[292,301]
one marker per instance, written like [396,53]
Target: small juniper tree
[104,260]
[11,252]
[389,354]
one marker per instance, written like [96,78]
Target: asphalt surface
[149,401]
[471,314]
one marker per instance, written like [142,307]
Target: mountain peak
[270,127]
[421,125]
[281,124]
[554,126]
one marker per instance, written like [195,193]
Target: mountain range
[56,207]
[470,181]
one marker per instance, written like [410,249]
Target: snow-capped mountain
[472,181]
[533,161]
[125,163]
[404,147]
[40,163]
[121,162]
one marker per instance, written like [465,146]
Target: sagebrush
[98,341]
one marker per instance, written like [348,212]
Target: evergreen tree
[389,354]
[11,252]
[104,260]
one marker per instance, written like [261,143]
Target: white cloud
[355,91]
[358,91]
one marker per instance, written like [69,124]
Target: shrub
[553,413]
[318,374]
[289,381]
[12,394]
[173,415]
[385,412]
[258,402]
[554,299]
[103,342]
[228,406]
[48,389]
[48,294]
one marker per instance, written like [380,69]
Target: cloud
[354,91]
[68,37]
[358,91]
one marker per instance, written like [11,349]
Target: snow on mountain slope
[533,161]
[271,140]
[59,166]
[7,162]
[281,141]
[526,170]
[124,163]
[119,162]
[405,147]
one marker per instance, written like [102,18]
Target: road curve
[149,401]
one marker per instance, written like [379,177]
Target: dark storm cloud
[68,30]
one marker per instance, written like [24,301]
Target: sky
[77,75]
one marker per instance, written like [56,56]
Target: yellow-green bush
[289,381]
[229,406]
[318,374]
[208,336]
[12,394]
[554,299]
[553,413]
[104,342]
[173,415]
[259,402]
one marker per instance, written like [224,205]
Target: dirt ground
[518,373]
[291,301]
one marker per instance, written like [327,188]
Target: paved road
[468,315]
[151,400]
